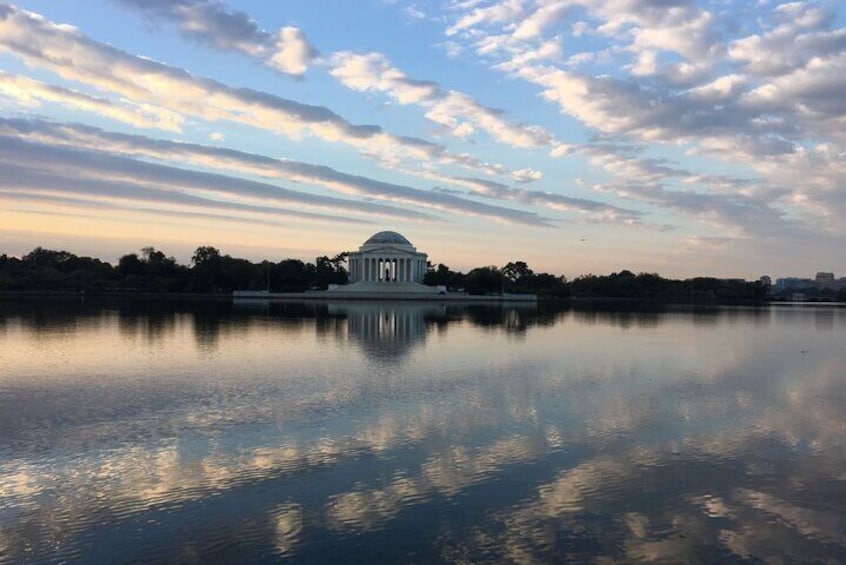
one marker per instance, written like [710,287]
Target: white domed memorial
[387,263]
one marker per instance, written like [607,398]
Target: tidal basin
[402,432]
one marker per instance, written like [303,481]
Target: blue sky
[681,137]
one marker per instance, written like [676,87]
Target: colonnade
[384,269]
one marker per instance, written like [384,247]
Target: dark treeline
[153,271]
[210,271]
[519,278]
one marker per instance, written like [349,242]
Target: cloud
[526,175]
[293,52]
[660,73]
[460,114]
[797,33]
[163,204]
[373,72]
[248,163]
[546,15]
[597,211]
[726,201]
[29,92]
[814,92]
[75,57]
[679,27]
[498,12]
[210,22]
[59,167]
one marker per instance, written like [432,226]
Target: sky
[680,137]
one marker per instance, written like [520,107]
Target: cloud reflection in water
[318,431]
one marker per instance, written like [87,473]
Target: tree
[290,276]
[484,280]
[329,271]
[339,260]
[205,254]
[443,276]
[129,265]
[515,270]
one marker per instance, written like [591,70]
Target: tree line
[211,271]
[153,271]
[517,277]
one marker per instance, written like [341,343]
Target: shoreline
[311,296]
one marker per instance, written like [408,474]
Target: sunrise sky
[687,138]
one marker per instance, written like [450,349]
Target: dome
[384,237]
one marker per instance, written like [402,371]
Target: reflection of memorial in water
[388,330]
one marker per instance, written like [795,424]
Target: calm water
[420,433]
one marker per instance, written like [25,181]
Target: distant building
[788,283]
[822,281]
[766,280]
[825,280]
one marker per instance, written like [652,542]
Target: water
[420,433]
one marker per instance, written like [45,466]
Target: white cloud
[293,53]
[372,72]
[29,92]
[758,104]
[210,22]
[458,112]
[547,14]
[499,12]
[526,175]
[75,57]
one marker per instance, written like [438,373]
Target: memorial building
[387,262]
